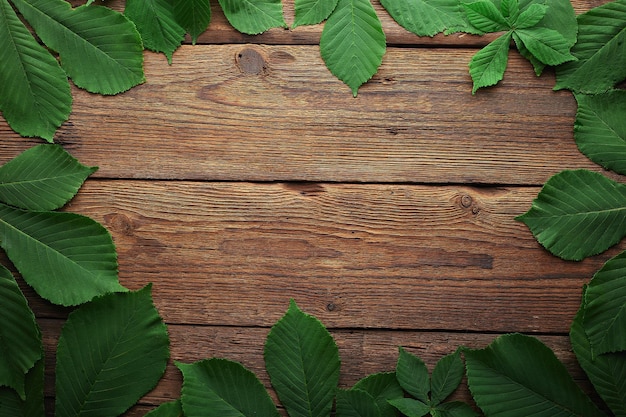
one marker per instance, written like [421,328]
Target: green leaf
[578,214]
[312,12]
[356,403]
[560,17]
[353,43]
[412,375]
[222,388]
[302,360]
[605,307]
[100,49]
[410,407]
[518,376]
[547,45]
[531,16]
[600,129]
[193,15]
[538,66]
[383,387]
[427,18]
[157,25]
[488,65]
[67,258]
[510,9]
[606,372]
[20,339]
[454,409]
[111,352]
[253,16]
[601,51]
[168,409]
[11,405]
[485,16]
[446,377]
[35,95]
[44,177]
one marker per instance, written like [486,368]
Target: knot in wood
[250,61]
[466,201]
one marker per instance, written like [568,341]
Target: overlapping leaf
[302,361]
[157,24]
[383,387]
[253,16]
[488,65]
[169,409]
[485,16]
[100,49]
[578,214]
[35,95]
[446,377]
[312,12]
[353,43]
[11,405]
[44,177]
[413,375]
[454,409]
[427,18]
[601,51]
[410,407]
[222,388]
[356,403]
[547,45]
[600,128]
[518,376]
[193,15]
[67,258]
[111,352]
[20,340]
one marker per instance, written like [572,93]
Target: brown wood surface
[245,174]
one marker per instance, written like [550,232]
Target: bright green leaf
[578,214]
[510,9]
[100,49]
[353,43]
[193,15]
[560,17]
[356,403]
[222,388]
[168,409]
[518,376]
[600,128]
[44,177]
[253,16]
[427,18]
[446,377]
[538,66]
[606,372]
[454,409]
[67,258]
[312,12]
[35,95]
[547,45]
[410,407]
[485,16]
[302,360]
[11,405]
[488,65]
[601,51]
[156,22]
[383,387]
[111,352]
[412,375]
[531,16]
[20,339]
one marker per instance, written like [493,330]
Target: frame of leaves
[71,260]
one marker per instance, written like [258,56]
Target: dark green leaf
[20,340]
[601,51]
[578,214]
[44,177]
[446,377]
[312,12]
[100,49]
[600,128]
[169,409]
[412,375]
[560,17]
[222,388]
[410,407]
[111,352]
[353,43]
[193,15]
[427,18]
[156,22]
[485,16]
[356,403]
[35,95]
[531,16]
[253,16]
[11,405]
[454,409]
[547,45]
[303,363]
[606,372]
[488,65]
[67,258]
[518,376]
[383,387]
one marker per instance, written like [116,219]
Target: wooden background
[245,174]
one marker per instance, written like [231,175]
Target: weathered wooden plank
[275,113]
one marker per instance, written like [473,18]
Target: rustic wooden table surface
[245,174]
